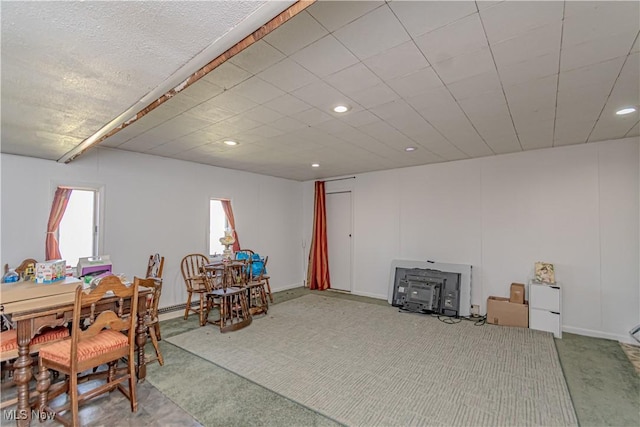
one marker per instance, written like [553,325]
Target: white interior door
[339,239]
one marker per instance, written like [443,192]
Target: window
[78,231]
[217,225]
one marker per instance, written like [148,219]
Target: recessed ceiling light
[627,110]
[230,142]
[410,149]
[340,108]
[315,165]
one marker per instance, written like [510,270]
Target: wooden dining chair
[192,267]
[110,337]
[230,300]
[9,352]
[151,316]
[259,274]
[155,266]
[154,270]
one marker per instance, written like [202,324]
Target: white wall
[153,204]
[576,207]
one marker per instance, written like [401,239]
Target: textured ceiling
[456,80]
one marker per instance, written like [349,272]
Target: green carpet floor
[604,387]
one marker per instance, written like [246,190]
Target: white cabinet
[545,308]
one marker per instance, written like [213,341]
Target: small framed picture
[545,272]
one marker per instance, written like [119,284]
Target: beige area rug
[364,365]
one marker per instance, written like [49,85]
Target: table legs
[22,374]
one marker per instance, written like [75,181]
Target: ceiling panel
[455,80]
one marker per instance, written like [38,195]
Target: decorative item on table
[544,272]
[10,276]
[227,241]
[50,271]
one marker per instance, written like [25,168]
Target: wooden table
[34,307]
[232,272]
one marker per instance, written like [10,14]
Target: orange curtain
[226,205]
[59,205]
[318,270]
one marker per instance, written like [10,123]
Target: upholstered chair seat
[105,342]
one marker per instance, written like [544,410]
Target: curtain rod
[340,179]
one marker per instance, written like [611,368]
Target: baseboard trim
[599,334]
[370,295]
[286,287]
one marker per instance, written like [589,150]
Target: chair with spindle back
[154,270]
[151,320]
[192,267]
[110,337]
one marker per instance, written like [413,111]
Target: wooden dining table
[34,307]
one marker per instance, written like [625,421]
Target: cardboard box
[502,312]
[51,271]
[517,293]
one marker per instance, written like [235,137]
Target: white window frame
[98,210]
[226,223]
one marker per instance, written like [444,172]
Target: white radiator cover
[463,269]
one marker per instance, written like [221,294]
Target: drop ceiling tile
[323,96]
[535,100]
[210,111]
[287,75]
[231,102]
[415,83]
[256,90]
[336,14]
[469,142]
[266,131]
[375,95]
[238,124]
[312,116]
[257,57]
[603,74]
[586,21]
[226,75]
[201,91]
[591,101]
[634,131]
[296,33]
[325,56]
[332,126]
[437,98]
[626,90]
[530,69]
[364,43]
[441,147]
[595,51]
[510,19]
[353,79]
[142,143]
[170,148]
[569,132]
[262,114]
[475,85]
[610,128]
[398,61]
[465,66]
[359,118]
[504,144]
[288,124]
[485,105]
[539,136]
[287,105]
[537,42]
[420,17]
[636,46]
[457,38]
[398,107]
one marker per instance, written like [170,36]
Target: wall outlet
[475,310]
